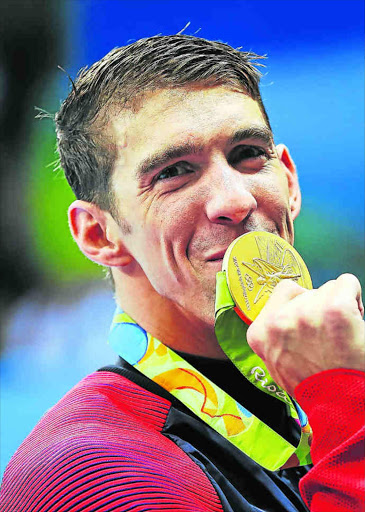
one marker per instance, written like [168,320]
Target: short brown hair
[121,78]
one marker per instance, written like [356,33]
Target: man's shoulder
[101,447]
[100,403]
[105,425]
[106,398]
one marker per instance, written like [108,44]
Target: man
[169,150]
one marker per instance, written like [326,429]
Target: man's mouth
[217,256]
[218,253]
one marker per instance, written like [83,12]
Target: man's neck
[167,321]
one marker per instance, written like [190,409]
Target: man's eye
[246,153]
[172,171]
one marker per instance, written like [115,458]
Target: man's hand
[301,332]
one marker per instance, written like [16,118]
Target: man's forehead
[182,121]
[157,105]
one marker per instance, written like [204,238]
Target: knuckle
[253,336]
[329,284]
[348,278]
[334,312]
[336,322]
[292,326]
[278,322]
[282,325]
[306,323]
[256,343]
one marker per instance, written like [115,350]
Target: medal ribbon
[231,334]
[204,398]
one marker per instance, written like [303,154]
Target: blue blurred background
[56,306]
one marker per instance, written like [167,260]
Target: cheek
[272,196]
[174,220]
[163,236]
[171,228]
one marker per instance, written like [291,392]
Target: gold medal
[254,264]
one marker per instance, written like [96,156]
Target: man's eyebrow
[263,133]
[159,159]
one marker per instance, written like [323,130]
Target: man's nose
[230,200]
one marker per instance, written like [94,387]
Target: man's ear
[295,197]
[97,234]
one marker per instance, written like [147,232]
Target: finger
[283,293]
[343,295]
[349,289]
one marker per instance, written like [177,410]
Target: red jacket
[334,403]
[113,444]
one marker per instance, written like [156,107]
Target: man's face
[196,168]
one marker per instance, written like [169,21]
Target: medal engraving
[248,307]
[269,274]
[254,264]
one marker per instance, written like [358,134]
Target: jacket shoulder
[102,439]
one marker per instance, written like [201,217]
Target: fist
[301,332]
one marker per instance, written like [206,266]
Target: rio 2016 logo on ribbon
[260,376]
